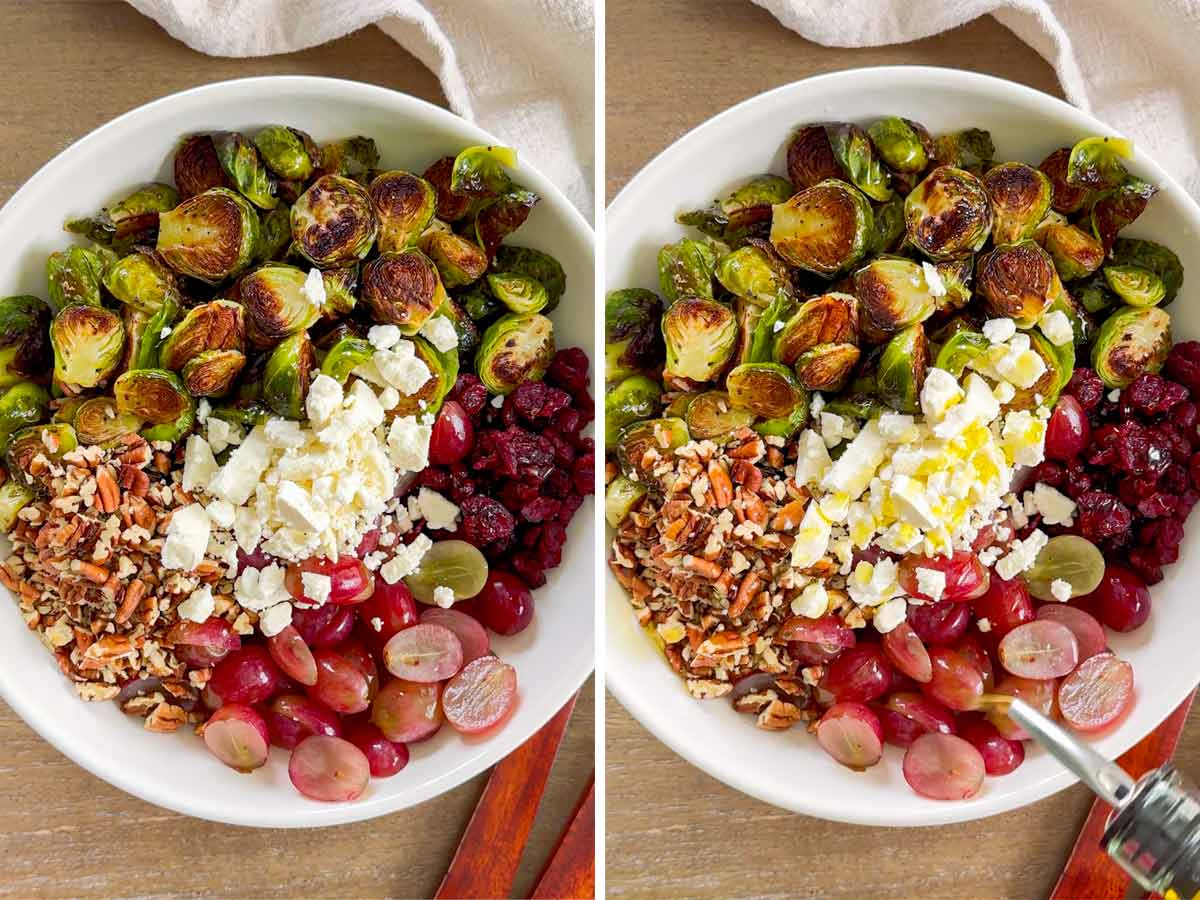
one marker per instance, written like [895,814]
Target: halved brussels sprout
[464,327]
[52,441]
[680,403]
[519,293]
[686,268]
[857,405]
[197,168]
[450,206]
[700,336]
[75,275]
[245,168]
[13,498]
[515,348]
[1018,281]
[347,354]
[956,276]
[536,264]
[288,152]
[1135,285]
[828,319]
[747,314]
[642,444]
[971,148]
[903,144]
[274,234]
[632,340]
[742,214]
[276,306]
[1117,208]
[499,217]
[766,389]
[1020,196]
[479,303]
[827,367]
[1095,162]
[1093,294]
[1076,253]
[825,229]
[404,205]
[23,404]
[287,375]
[64,409]
[1068,198]
[758,327]
[211,236]
[88,342]
[333,222]
[340,284]
[402,289]
[129,221]
[217,325]
[479,171]
[948,214]
[754,273]
[24,345]
[1130,343]
[152,395]
[787,426]
[634,398]
[172,432]
[213,372]
[855,154]
[351,157]
[459,261]
[143,281]
[100,421]
[1060,363]
[893,293]
[1153,256]
[888,232]
[810,158]
[620,497]
[712,416]
[959,350]
[144,334]
[900,370]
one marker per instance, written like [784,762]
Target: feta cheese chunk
[314,288]
[998,331]
[1054,507]
[856,467]
[406,559]
[443,596]
[438,512]
[199,605]
[812,538]
[384,337]
[323,400]
[931,583]
[316,586]
[1057,328]
[274,619]
[1060,590]
[239,476]
[187,538]
[890,614]
[440,332]
[812,602]
[199,464]
[813,461]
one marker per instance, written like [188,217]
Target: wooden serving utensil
[1089,873]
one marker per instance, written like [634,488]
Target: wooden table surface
[673,831]
[67,68]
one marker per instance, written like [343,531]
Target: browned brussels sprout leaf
[25,351]
[948,214]
[500,217]
[351,157]
[198,168]
[288,152]
[245,168]
[1068,198]
[450,206]
[810,158]
[152,395]
[88,345]
[276,306]
[1115,209]
[1020,197]
[459,261]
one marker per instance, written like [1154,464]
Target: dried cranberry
[528,568]
[485,520]
[1152,395]
[1184,417]
[1194,469]
[1086,387]
[521,454]
[1078,481]
[569,506]
[1183,364]
[516,494]
[1175,480]
[1103,451]
[434,478]
[558,484]
[1101,515]
[569,421]
[1143,562]
[569,370]
[540,509]
[1156,506]
[528,399]
[585,474]
[471,393]
[1048,473]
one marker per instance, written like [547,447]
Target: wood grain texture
[571,871]
[68,67]
[671,830]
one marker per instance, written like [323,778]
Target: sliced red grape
[926,712]
[943,767]
[390,609]
[351,582]
[898,730]
[860,674]
[329,768]
[324,627]
[829,631]
[1089,634]
[247,675]
[905,651]
[357,654]
[1097,694]
[427,652]
[939,623]
[385,757]
[341,685]
[293,656]
[1005,605]
[956,682]
[851,734]
[291,718]
[1039,649]
[213,632]
[1040,694]
[966,577]
[972,648]
[238,737]
[1000,754]
[470,633]
[481,695]
[407,710]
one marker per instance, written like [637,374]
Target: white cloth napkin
[1131,63]
[522,69]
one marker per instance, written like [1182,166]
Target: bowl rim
[575,669]
[639,702]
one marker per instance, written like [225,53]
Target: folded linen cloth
[522,69]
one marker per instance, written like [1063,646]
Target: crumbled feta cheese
[406,559]
[438,512]
[314,288]
[284,433]
[833,429]
[275,618]
[998,331]
[812,602]
[199,464]
[1021,555]
[940,392]
[812,461]
[384,337]
[408,444]
[316,586]
[221,434]
[778,326]
[247,529]
[1054,507]
[812,538]
[1056,326]
[890,614]
[297,508]
[389,398]
[439,331]
[199,605]
[856,466]
[221,512]
[1114,395]
[187,538]
[1060,590]
[984,625]
[323,400]
[443,596]
[239,476]
[931,583]
[498,401]
[402,369]
[203,410]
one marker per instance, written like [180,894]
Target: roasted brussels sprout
[758,327]
[450,206]
[900,370]
[75,275]
[1076,253]
[893,292]
[404,205]
[100,421]
[464,327]
[479,171]
[1131,342]
[752,272]
[287,375]
[340,284]
[632,340]
[1068,198]
[1093,294]
[142,280]
[213,372]
[443,369]
[620,498]
[856,155]
[642,444]
[24,347]
[1155,257]
[515,348]
[88,342]
[971,148]
[131,220]
[948,214]
[888,232]
[901,143]
[634,398]
[518,293]
[536,264]
[857,405]
[827,367]
[64,409]
[825,229]
[828,319]
[787,426]
[13,498]
[288,152]
[501,216]
[686,269]
[959,350]
[197,168]
[810,158]
[742,214]
[144,334]
[1117,208]
[52,441]
[333,222]
[712,416]
[217,325]
[211,236]
[348,353]
[1095,163]
[276,306]
[956,276]
[700,336]
[152,395]
[1020,196]
[765,389]
[1017,281]
[1135,285]
[245,168]
[274,234]
[402,289]
[459,261]
[23,404]
[479,303]
[351,157]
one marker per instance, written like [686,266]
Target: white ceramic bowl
[789,769]
[552,657]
